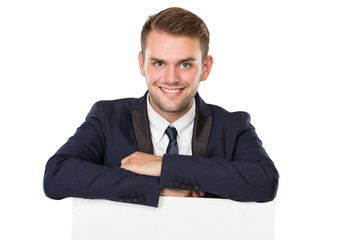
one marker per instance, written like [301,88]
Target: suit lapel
[141,127]
[202,128]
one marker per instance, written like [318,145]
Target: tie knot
[171,132]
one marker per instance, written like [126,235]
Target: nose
[171,76]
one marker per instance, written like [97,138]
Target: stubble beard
[173,107]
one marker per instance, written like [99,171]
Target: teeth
[171,91]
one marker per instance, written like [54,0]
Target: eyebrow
[190,59]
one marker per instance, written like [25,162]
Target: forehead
[162,45]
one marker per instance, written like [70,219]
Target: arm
[249,176]
[147,164]
[77,169]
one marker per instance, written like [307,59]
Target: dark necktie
[173,146]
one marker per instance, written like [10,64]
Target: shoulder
[115,107]
[127,103]
[225,120]
[219,112]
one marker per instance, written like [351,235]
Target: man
[168,142]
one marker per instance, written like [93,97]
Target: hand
[142,163]
[197,194]
[175,192]
[180,193]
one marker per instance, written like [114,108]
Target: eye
[185,65]
[158,64]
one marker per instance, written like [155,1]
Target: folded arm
[147,164]
[249,176]
[77,170]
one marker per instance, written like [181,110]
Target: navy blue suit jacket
[228,159]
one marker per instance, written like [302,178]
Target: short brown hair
[178,21]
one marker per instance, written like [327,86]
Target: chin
[170,108]
[175,108]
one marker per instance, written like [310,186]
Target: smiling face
[173,69]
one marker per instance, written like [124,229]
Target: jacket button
[182,185]
[196,187]
[176,184]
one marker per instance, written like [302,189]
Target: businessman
[168,142]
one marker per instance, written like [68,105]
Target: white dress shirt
[184,127]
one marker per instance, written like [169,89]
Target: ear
[141,63]
[207,68]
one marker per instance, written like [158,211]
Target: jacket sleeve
[249,175]
[77,170]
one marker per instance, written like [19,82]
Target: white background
[293,65]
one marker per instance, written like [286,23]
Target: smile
[171,90]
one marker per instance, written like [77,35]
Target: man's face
[173,69]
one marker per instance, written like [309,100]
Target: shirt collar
[158,124]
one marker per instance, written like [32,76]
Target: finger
[187,193]
[198,194]
[194,194]
[124,160]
